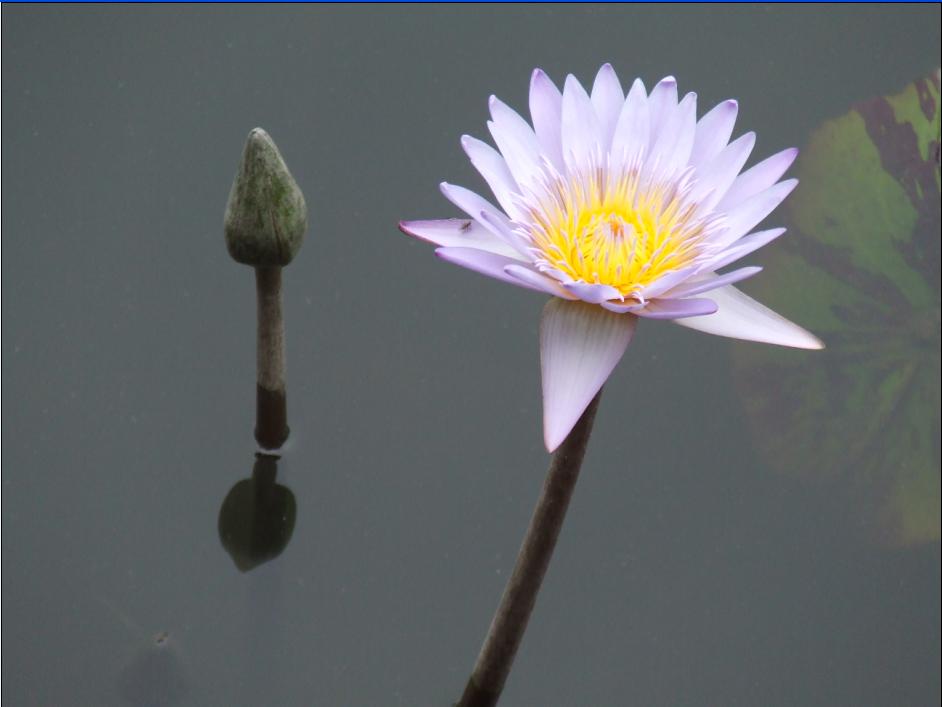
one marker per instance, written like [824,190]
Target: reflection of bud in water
[155,676]
[865,239]
[257,517]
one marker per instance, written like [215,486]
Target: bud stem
[271,421]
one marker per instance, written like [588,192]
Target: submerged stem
[509,623]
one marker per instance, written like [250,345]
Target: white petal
[580,344]
[677,308]
[743,247]
[712,281]
[546,110]
[607,99]
[741,317]
[633,127]
[757,178]
[661,104]
[622,307]
[493,168]
[471,203]
[499,224]
[485,263]
[715,177]
[488,215]
[537,280]
[713,132]
[581,131]
[676,138]
[667,281]
[742,219]
[516,141]
[591,292]
[458,232]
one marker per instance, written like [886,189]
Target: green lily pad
[860,268]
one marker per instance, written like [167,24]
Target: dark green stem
[509,623]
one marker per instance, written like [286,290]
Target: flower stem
[271,415]
[507,627]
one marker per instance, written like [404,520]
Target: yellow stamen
[613,230]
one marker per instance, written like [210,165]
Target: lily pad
[860,267]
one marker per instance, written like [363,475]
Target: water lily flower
[621,207]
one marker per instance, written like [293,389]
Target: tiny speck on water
[161,638]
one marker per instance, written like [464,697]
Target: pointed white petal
[485,263]
[667,281]
[516,141]
[633,127]
[677,308]
[474,205]
[504,230]
[459,232]
[744,217]
[743,247]
[538,281]
[712,281]
[715,177]
[676,139]
[757,178]
[493,168]
[487,215]
[741,317]
[579,346]
[546,110]
[581,131]
[661,103]
[592,293]
[622,307]
[607,99]
[713,132]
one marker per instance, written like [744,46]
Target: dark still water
[750,528]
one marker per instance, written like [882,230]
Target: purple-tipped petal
[516,141]
[480,209]
[546,110]
[504,230]
[758,178]
[744,246]
[741,317]
[712,282]
[607,99]
[485,263]
[580,344]
[742,219]
[661,103]
[629,305]
[715,177]
[538,281]
[677,308]
[581,131]
[713,132]
[457,232]
[676,137]
[666,281]
[633,128]
[592,293]
[468,201]
[493,168]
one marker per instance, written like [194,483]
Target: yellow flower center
[614,230]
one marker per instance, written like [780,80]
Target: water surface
[688,573]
